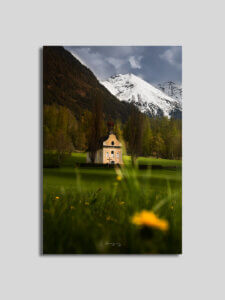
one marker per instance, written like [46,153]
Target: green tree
[59,130]
[147,139]
[133,133]
[96,128]
[159,146]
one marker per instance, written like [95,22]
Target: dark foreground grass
[88,211]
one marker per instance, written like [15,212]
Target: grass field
[81,158]
[89,210]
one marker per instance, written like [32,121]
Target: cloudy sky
[154,64]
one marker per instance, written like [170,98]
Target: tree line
[140,135]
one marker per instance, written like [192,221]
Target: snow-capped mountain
[145,96]
[171,89]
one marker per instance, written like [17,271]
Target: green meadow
[89,210]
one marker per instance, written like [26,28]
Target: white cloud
[152,64]
[172,56]
[116,62]
[135,62]
[93,60]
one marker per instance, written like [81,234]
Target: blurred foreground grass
[89,210]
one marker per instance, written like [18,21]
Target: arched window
[112,153]
[112,143]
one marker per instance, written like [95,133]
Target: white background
[198,26]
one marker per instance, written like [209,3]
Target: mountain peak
[149,99]
[172,89]
[127,75]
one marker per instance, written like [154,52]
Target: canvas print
[112,150]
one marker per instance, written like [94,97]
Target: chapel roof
[101,141]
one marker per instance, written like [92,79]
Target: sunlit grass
[81,158]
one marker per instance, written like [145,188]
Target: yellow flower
[108,218]
[86,203]
[57,197]
[149,219]
[72,207]
[121,203]
[171,207]
[119,178]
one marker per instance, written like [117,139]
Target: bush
[50,160]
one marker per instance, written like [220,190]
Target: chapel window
[112,143]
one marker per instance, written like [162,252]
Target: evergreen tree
[147,137]
[96,128]
[133,134]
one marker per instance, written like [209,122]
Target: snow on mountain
[171,89]
[145,96]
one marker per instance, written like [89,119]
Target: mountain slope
[146,97]
[171,89]
[69,83]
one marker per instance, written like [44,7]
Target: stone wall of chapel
[116,156]
[101,155]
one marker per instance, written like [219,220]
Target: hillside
[69,83]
